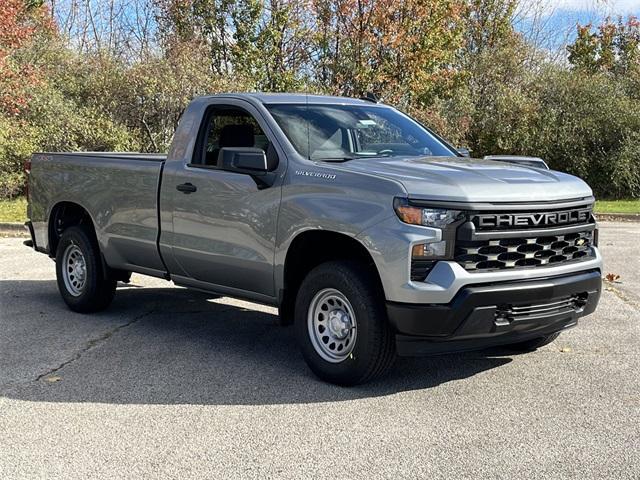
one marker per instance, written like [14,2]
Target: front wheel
[79,272]
[341,324]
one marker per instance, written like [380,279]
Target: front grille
[525,251]
[510,313]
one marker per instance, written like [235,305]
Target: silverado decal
[305,173]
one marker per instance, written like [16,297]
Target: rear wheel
[341,324]
[534,344]
[79,272]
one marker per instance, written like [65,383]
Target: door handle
[186,188]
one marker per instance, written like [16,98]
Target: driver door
[224,222]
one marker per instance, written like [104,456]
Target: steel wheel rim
[332,325]
[74,270]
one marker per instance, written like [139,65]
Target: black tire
[534,344]
[96,291]
[373,349]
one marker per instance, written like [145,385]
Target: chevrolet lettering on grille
[532,219]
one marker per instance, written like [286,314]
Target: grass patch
[618,206]
[13,211]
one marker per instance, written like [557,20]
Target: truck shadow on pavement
[173,346]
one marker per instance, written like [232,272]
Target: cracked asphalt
[170,383]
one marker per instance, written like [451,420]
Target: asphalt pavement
[170,383]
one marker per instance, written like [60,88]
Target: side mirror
[248,160]
[463,152]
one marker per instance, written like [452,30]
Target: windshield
[345,132]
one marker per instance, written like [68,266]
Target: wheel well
[63,216]
[310,249]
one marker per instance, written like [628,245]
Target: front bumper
[495,314]
[390,243]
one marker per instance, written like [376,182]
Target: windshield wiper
[335,159]
[346,158]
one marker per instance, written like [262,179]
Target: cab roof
[302,98]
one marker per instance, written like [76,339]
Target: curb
[16,229]
[618,217]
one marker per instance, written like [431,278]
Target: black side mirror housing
[249,160]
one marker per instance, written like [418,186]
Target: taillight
[27,170]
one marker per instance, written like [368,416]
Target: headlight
[428,217]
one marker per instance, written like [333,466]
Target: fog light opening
[429,250]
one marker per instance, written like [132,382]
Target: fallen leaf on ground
[612,277]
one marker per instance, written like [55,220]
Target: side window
[228,127]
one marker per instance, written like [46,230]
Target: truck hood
[457,179]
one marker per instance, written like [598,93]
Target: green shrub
[62,125]
[624,179]
[590,128]
[16,144]
[54,123]
[584,124]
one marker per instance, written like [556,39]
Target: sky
[556,20]
[591,10]
[616,6]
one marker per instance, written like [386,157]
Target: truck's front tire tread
[99,290]
[374,352]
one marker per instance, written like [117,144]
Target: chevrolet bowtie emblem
[580,242]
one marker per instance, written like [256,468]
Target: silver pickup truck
[371,234]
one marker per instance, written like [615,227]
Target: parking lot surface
[172,383]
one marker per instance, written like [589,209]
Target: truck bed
[151,157]
[120,192]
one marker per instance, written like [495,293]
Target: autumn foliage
[116,75]
[19,24]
